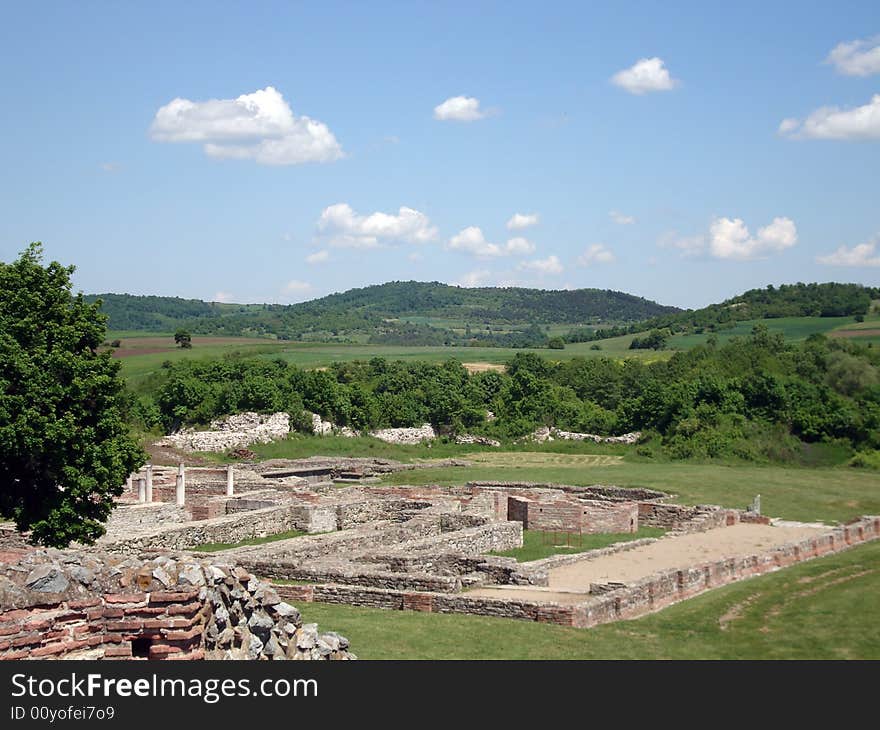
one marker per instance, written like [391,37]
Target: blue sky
[645,137]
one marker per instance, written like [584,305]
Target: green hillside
[396,313]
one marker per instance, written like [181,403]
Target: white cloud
[260,126]
[522,220]
[459,109]
[788,125]
[621,219]
[222,296]
[647,74]
[471,240]
[296,291]
[831,122]
[519,246]
[319,257]
[471,279]
[730,239]
[550,265]
[864,254]
[856,58]
[110,166]
[688,245]
[343,228]
[598,253]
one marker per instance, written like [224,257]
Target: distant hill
[830,299]
[394,313]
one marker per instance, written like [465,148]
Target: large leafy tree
[65,449]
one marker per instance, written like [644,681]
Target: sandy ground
[482,367]
[568,583]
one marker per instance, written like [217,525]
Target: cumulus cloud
[471,240]
[296,291]
[688,245]
[522,220]
[260,126]
[549,265]
[222,296]
[598,253]
[645,75]
[319,257]
[471,279]
[864,254]
[519,246]
[856,58]
[621,219]
[831,122]
[343,228]
[459,109]
[730,239]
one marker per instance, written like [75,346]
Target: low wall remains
[75,605]
[610,602]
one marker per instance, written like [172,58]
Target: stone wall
[73,605]
[227,529]
[609,602]
[572,515]
[425,432]
[233,432]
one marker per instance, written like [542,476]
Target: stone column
[181,472]
[230,481]
[128,484]
[149,482]
[181,491]
[142,490]
[756,505]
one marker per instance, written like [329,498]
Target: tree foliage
[754,397]
[65,449]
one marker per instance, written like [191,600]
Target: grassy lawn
[213,547]
[797,493]
[538,544]
[822,609]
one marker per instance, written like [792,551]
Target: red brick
[10,629]
[84,603]
[185,608]
[16,614]
[173,596]
[183,635]
[70,616]
[118,651]
[15,655]
[112,613]
[37,624]
[166,623]
[160,651]
[125,625]
[58,648]
[125,598]
[27,639]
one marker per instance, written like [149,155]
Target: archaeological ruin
[346,538]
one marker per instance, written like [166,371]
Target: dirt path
[569,583]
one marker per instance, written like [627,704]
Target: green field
[821,609]
[797,493]
[794,329]
[137,365]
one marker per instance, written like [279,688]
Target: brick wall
[64,604]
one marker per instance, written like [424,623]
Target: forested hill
[386,312]
[830,299]
[788,300]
